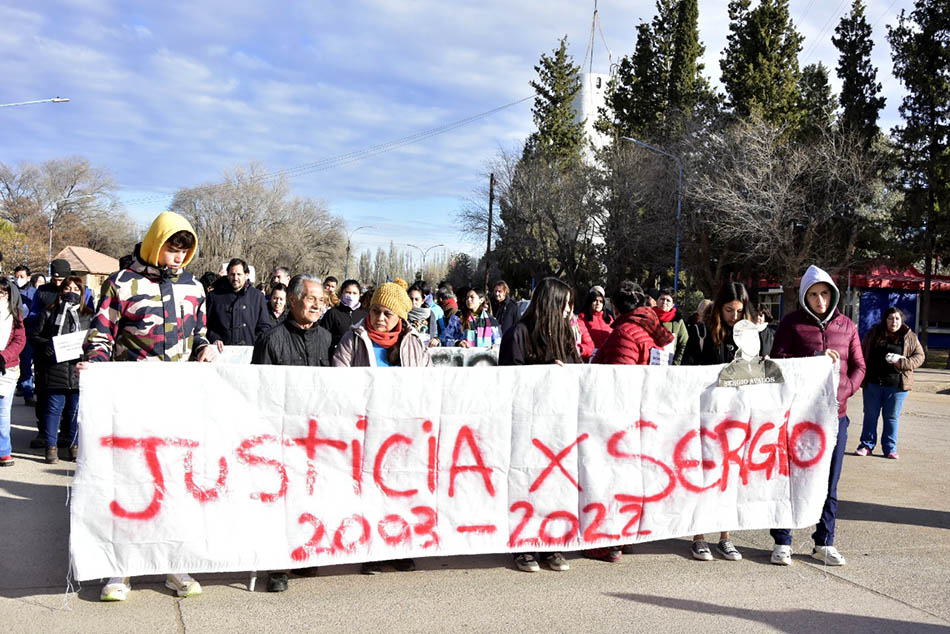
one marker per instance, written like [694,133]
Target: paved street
[894,528]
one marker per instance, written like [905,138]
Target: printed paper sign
[69,347]
[208,467]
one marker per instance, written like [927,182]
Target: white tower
[587,104]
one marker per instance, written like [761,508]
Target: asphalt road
[894,529]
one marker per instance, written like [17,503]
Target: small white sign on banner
[195,467]
[69,347]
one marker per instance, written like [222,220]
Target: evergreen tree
[686,83]
[635,98]
[859,98]
[817,103]
[760,62]
[920,48]
[560,137]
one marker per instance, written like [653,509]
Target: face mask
[71,298]
[22,281]
[350,301]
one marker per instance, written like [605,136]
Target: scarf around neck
[385,339]
[664,317]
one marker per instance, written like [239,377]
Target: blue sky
[169,95]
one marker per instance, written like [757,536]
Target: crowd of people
[152,309]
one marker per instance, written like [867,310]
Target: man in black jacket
[237,312]
[296,341]
[503,308]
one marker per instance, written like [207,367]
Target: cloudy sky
[170,94]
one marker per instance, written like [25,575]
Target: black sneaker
[277,582]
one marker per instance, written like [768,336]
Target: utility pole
[491,202]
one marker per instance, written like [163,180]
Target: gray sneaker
[700,550]
[556,561]
[527,563]
[728,550]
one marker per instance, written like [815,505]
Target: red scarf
[451,303]
[664,317]
[385,339]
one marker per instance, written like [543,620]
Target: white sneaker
[116,589]
[828,555]
[183,585]
[782,555]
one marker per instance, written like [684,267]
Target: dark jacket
[634,334]
[42,298]
[506,313]
[514,349]
[804,334]
[237,318]
[338,321]
[49,374]
[913,354]
[289,344]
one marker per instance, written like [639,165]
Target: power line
[815,44]
[886,11]
[350,157]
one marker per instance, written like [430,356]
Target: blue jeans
[877,399]
[56,402]
[824,534]
[6,404]
[25,381]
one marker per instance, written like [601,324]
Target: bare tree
[766,206]
[252,216]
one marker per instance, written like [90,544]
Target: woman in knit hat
[383,339]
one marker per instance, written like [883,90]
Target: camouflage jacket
[146,314]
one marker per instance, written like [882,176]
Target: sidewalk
[894,529]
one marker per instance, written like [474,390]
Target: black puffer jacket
[506,313]
[338,320]
[289,344]
[237,318]
[49,374]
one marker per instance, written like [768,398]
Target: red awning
[908,279]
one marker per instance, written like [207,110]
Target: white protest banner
[206,467]
[68,347]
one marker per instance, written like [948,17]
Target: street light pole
[679,205]
[425,253]
[346,265]
[29,103]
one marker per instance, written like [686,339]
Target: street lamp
[29,103]
[679,204]
[425,253]
[346,265]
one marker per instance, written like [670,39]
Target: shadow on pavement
[791,621]
[869,512]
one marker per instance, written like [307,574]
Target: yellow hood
[165,226]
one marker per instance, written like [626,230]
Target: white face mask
[21,281]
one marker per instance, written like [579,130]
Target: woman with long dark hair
[12,340]
[473,326]
[597,319]
[543,335]
[892,353]
[66,315]
[732,304]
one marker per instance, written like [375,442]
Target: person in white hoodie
[818,327]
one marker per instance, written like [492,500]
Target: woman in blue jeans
[12,338]
[66,315]
[892,353]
